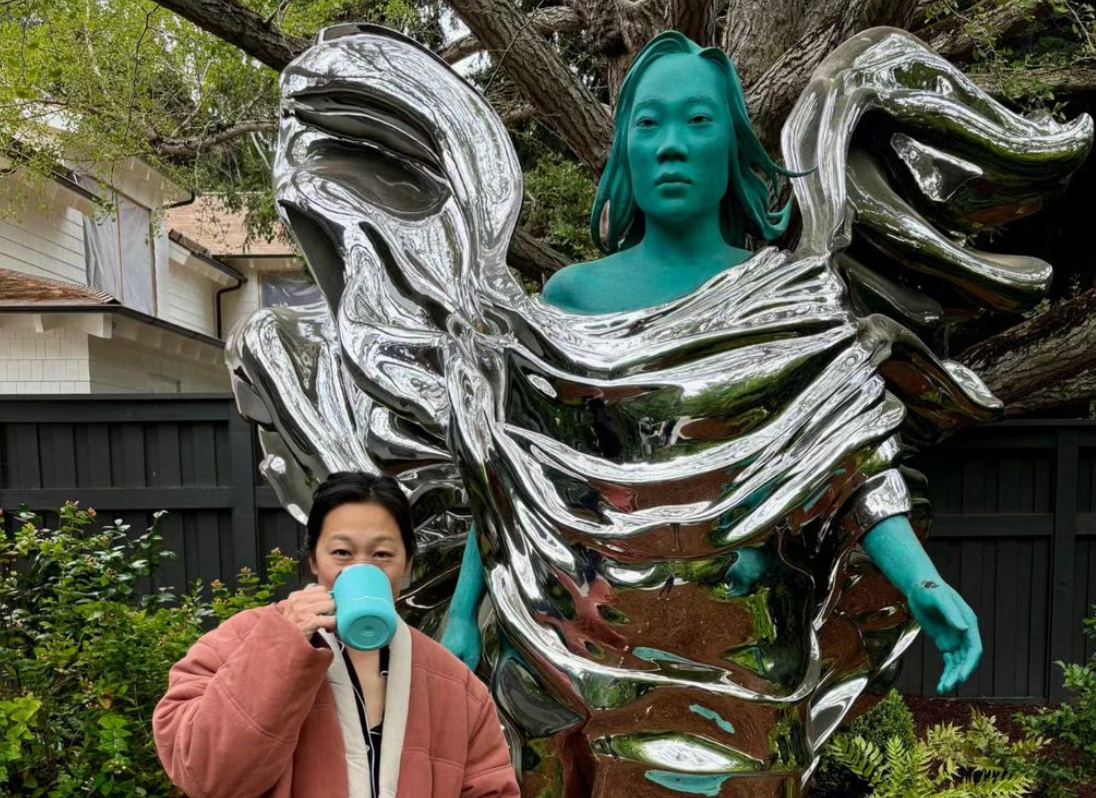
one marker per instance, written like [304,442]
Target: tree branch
[1022,82]
[1040,352]
[957,35]
[195,144]
[240,26]
[532,257]
[1067,392]
[546,21]
[538,70]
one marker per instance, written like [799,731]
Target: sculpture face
[679,139]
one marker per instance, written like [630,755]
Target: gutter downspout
[239,284]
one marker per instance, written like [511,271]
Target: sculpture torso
[629,280]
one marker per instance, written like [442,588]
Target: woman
[271,704]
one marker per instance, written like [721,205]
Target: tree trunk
[539,71]
[757,32]
[241,27]
[1038,354]
[831,22]
[1067,392]
[619,29]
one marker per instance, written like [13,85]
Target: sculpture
[669,477]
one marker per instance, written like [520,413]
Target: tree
[190,84]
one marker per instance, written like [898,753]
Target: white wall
[188,299]
[52,362]
[121,366]
[40,238]
[235,305]
[74,362]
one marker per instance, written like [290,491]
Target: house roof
[208,222]
[205,255]
[24,293]
[17,288]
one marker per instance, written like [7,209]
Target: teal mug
[365,613]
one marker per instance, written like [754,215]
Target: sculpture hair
[748,204]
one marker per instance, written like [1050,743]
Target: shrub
[84,656]
[977,761]
[888,719]
[1071,761]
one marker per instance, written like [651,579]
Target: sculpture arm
[942,613]
[462,634]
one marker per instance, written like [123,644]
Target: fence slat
[147,499]
[24,459]
[245,537]
[1063,554]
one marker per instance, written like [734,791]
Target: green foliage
[1071,761]
[558,196]
[90,84]
[951,763]
[1019,67]
[889,719]
[85,653]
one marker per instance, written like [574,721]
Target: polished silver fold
[668,500]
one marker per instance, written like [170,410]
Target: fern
[978,762]
[860,756]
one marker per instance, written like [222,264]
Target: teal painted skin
[686,144]
[687,783]
[713,716]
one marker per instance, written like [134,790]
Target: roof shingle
[223,232]
[17,288]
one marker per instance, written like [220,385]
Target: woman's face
[679,138]
[360,533]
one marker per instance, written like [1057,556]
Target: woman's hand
[463,639]
[953,627]
[309,610]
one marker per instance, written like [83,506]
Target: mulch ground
[928,712]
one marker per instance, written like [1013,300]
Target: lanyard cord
[370,753]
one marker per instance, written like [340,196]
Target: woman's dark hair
[354,487]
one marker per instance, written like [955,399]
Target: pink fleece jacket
[250,712]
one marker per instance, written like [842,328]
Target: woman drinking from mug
[273,703]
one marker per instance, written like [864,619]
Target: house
[129,301]
[274,274]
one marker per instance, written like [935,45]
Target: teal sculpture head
[685,148]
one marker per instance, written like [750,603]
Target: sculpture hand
[950,622]
[463,639]
[748,568]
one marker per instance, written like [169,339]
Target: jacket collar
[397,699]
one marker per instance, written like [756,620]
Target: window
[118,249]
[283,289]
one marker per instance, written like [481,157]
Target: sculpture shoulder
[566,288]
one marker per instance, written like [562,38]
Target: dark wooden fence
[1015,532]
[1015,528]
[129,457]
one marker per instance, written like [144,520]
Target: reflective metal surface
[668,500]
